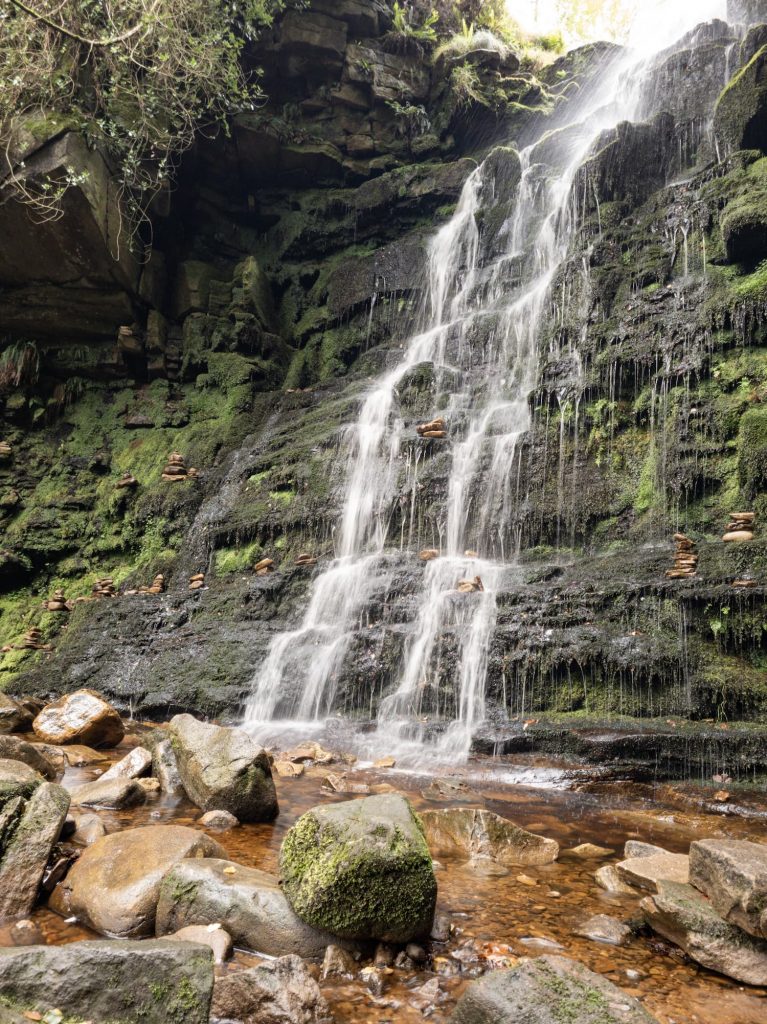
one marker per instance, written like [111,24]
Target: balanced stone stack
[474,586]
[5,451]
[157,587]
[305,560]
[57,603]
[33,640]
[434,429]
[104,587]
[197,582]
[127,480]
[264,567]
[740,527]
[176,469]
[685,559]
[429,554]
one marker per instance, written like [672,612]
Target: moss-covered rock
[361,870]
[739,120]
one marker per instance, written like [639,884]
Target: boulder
[647,872]
[247,902]
[212,935]
[79,756]
[223,769]
[733,874]
[739,118]
[603,928]
[588,851]
[218,821]
[683,916]
[547,990]
[81,717]
[13,748]
[131,982]
[17,779]
[132,766]
[635,848]
[115,885]
[88,828]
[26,847]
[272,993]
[338,963]
[361,870]
[14,717]
[607,878]
[165,768]
[482,835]
[118,794]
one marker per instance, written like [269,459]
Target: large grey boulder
[548,990]
[223,769]
[80,717]
[26,843]
[247,902]
[274,993]
[680,914]
[733,874]
[482,835]
[130,982]
[361,870]
[114,887]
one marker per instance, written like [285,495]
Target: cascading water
[487,301]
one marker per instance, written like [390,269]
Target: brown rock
[213,935]
[82,717]
[79,756]
[480,834]
[648,872]
[738,536]
[272,993]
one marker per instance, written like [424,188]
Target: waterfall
[486,303]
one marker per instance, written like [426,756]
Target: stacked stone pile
[157,586]
[5,450]
[306,560]
[474,586]
[434,429]
[176,469]
[197,582]
[127,480]
[33,640]
[104,587]
[264,567]
[685,558]
[56,603]
[740,527]
[428,554]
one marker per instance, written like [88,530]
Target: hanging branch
[110,41]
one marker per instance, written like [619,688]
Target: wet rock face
[223,769]
[740,113]
[250,902]
[546,991]
[681,914]
[115,885]
[747,12]
[482,835]
[361,870]
[81,717]
[733,875]
[152,982]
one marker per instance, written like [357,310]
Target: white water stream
[469,294]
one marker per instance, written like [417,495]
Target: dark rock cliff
[285,270]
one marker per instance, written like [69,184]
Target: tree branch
[109,41]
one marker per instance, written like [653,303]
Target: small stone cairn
[157,586]
[33,640]
[428,554]
[475,586]
[305,560]
[685,558]
[264,567]
[197,582]
[434,430]
[6,451]
[127,480]
[740,527]
[176,469]
[104,587]
[56,603]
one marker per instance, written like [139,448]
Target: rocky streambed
[546,881]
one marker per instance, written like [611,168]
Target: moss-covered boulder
[223,769]
[752,451]
[361,870]
[740,119]
[17,779]
[548,990]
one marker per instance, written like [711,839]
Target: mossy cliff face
[286,272]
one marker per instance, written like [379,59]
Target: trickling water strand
[506,302]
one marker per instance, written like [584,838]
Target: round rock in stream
[361,870]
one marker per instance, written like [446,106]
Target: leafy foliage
[139,78]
